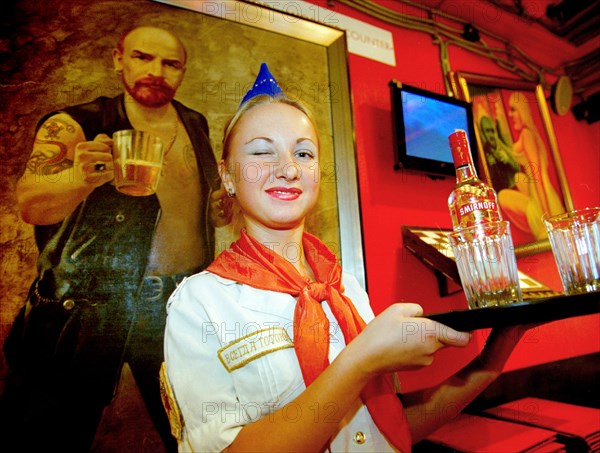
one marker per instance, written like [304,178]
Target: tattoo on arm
[48,160]
[50,151]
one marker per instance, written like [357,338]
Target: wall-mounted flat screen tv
[422,122]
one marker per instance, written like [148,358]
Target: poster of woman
[516,158]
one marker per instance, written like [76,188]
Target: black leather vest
[101,250]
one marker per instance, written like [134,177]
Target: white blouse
[230,361]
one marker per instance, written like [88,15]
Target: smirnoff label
[477,206]
[477,212]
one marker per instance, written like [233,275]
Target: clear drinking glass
[575,240]
[487,264]
[138,157]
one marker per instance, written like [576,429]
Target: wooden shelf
[432,248]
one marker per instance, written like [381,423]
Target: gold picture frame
[225,44]
[518,153]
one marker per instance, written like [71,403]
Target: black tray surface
[534,311]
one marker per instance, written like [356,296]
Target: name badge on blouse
[250,347]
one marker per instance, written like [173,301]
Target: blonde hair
[261,100]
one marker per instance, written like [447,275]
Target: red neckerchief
[248,261]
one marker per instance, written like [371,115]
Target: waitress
[274,347]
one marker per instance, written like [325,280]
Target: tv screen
[422,122]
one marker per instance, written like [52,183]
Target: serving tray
[534,311]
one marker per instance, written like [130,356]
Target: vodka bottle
[472,202]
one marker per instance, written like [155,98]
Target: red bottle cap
[459,144]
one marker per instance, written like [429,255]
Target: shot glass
[138,158]
[487,265]
[575,240]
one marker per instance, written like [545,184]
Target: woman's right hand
[400,339]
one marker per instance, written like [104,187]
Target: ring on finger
[100,166]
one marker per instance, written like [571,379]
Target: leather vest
[101,250]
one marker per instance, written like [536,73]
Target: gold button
[359,438]
[69,304]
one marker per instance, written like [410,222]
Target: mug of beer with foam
[138,157]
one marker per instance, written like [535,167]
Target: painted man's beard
[151,91]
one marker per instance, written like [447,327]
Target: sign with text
[363,39]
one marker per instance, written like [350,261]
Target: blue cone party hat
[265,83]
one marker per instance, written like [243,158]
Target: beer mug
[138,157]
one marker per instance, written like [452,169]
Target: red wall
[390,199]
